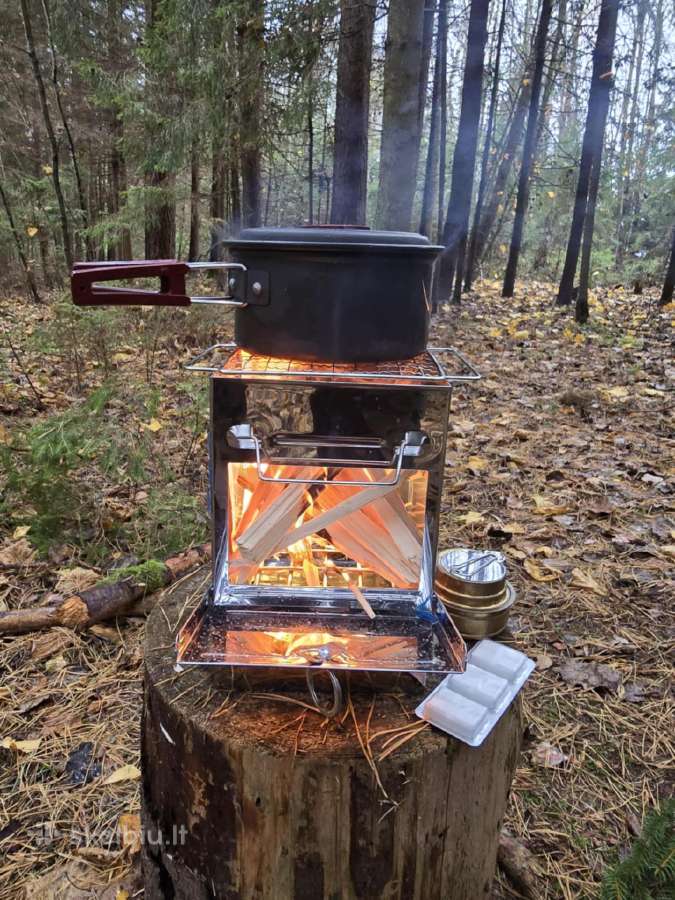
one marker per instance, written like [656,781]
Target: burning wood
[369,525]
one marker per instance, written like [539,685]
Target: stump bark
[249,797]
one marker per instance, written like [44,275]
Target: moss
[151,573]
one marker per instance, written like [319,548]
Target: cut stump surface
[250,797]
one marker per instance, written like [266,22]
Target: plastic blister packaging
[469,705]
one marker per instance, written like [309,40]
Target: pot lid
[473,566]
[334,237]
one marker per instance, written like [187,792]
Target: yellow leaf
[586,582]
[579,338]
[616,393]
[31,230]
[21,746]
[669,550]
[129,827]
[20,531]
[550,194]
[47,170]
[477,464]
[537,573]
[502,249]
[125,773]
[494,332]
[544,507]
[122,894]
[522,335]
[472,518]
[153,425]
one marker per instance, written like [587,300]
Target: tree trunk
[350,156]
[193,252]
[66,127]
[399,149]
[667,292]
[160,216]
[49,127]
[529,147]
[649,127]
[25,265]
[487,144]
[627,126]
[431,169]
[464,158]
[598,103]
[443,123]
[581,305]
[251,51]
[495,203]
[160,203]
[258,797]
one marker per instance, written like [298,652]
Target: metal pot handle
[242,437]
[87,291]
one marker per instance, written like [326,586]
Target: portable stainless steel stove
[326,483]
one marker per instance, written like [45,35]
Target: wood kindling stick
[361,498]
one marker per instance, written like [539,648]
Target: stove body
[326,485]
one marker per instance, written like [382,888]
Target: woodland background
[151,129]
[534,140]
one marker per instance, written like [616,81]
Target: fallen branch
[519,865]
[117,595]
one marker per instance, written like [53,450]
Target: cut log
[261,798]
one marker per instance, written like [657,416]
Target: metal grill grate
[230,360]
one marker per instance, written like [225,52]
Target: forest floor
[562,457]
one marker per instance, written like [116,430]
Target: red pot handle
[86,288]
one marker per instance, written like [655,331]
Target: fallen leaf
[31,230]
[124,773]
[76,579]
[544,507]
[56,664]
[589,675]
[472,518]
[477,464]
[543,662]
[152,425]
[586,582]
[21,746]
[20,531]
[668,549]
[99,856]
[47,169]
[548,756]
[18,553]
[619,392]
[537,573]
[129,827]
[51,642]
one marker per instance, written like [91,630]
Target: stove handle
[87,291]
[243,437]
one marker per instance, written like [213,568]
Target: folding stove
[326,484]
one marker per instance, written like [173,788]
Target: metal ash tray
[306,633]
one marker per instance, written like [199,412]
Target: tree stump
[250,797]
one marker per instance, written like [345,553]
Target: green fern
[648,873]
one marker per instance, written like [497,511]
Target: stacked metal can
[473,588]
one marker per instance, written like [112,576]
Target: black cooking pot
[335,294]
[328,293]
